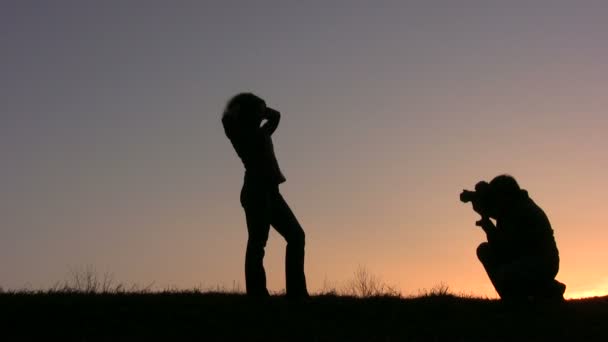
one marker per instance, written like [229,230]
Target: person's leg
[532,277]
[520,278]
[491,263]
[255,203]
[550,288]
[285,222]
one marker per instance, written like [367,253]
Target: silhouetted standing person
[260,197]
[520,256]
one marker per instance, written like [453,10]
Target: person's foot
[553,292]
[298,297]
[258,294]
[558,289]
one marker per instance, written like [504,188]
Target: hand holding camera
[481,201]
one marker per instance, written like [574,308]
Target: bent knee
[256,244]
[484,251]
[297,239]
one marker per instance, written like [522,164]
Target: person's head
[246,108]
[504,193]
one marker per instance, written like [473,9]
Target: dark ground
[230,317]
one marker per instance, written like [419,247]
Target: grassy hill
[232,317]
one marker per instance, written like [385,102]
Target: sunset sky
[113,155]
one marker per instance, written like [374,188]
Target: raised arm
[272,117]
[492,233]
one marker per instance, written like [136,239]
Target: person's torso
[256,151]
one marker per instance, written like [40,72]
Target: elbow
[273,114]
[276,116]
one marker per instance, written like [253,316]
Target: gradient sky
[113,154]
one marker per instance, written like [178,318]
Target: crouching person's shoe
[554,292]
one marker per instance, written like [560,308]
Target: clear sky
[113,154]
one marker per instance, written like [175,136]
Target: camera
[480,198]
[467,196]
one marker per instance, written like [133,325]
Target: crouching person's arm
[492,233]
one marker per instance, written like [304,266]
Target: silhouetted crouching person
[260,197]
[521,256]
